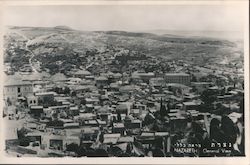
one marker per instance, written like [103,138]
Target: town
[124,103]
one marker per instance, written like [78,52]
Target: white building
[181,78]
[16,88]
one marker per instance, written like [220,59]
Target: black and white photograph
[117,80]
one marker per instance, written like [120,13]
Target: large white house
[13,89]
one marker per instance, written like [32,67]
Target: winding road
[27,49]
[34,69]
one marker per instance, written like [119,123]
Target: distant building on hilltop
[181,78]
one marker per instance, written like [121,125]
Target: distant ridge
[199,33]
[63,28]
[45,28]
[61,43]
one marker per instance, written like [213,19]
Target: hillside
[67,46]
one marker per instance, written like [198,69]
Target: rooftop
[71,125]
[16,82]
[177,74]
[82,72]
[126,139]
[36,107]
[113,135]
[58,77]
[118,125]
[191,103]
[101,78]
[45,93]
[177,85]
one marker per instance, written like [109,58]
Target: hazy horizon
[129,18]
[228,35]
[142,30]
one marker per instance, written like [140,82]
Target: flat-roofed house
[101,81]
[46,98]
[81,73]
[201,86]
[124,107]
[36,111]
[32,100]
[118,128]
[13,89]
[178,89]
[135,124]
[111,138]
[74,111]
[191,105]
[157,82]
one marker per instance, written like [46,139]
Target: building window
[18,90]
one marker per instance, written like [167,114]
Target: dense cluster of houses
[128,113]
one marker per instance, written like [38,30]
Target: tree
[163,110]
[119,118]
[169,106]
[101,153]
[215,131]
[193,79]
[194,89]
[204,107]
[21,133]
[9,102]
[47,101]
[156,127]
[158,153]
[66,90]
[208,96]
[229,129]
[73,93]
[101,137]
[73,147]
[149,119]
[129,148]
[223,91]
[24,142]
[81,151]
[58,90]
[56,123]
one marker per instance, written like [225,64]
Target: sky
[129,18]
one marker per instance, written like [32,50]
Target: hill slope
[63,43]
